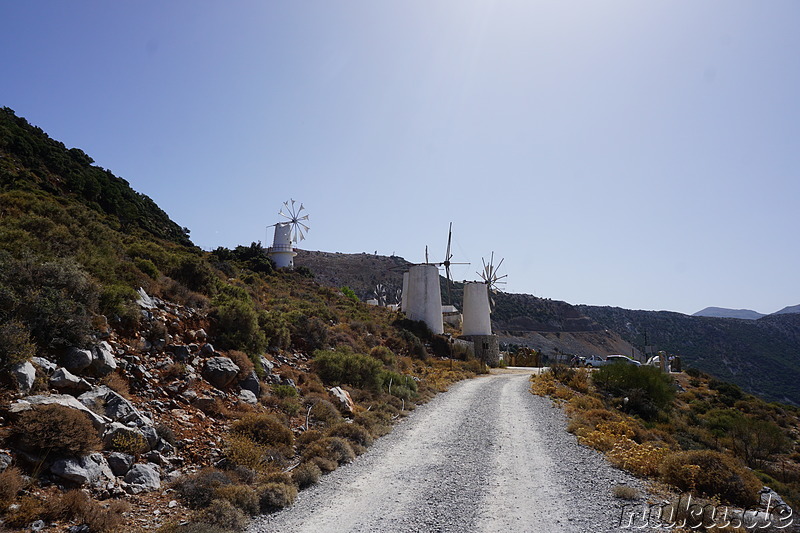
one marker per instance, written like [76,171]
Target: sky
[643,155]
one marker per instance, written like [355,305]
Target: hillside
[759,355]
[131,361]
[721,312]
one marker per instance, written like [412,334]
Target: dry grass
[625,492]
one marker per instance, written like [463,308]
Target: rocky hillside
[166,383]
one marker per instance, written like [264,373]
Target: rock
[266,364]
[66,400]
[220,371]
[120,463]
[117,433]
[63,379]
[344,398]
[115,406]
[92,469]
[5,460]
[76,360]
[172,504]
[47,367]
[144,301]
[180,351]
[151,435]
[103,362]
[25,374]
[144,477]
[206,404]
[37,525]
[207,350]
[251,383]
[248,397]
[156,458]
[201,335]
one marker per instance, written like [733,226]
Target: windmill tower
[288,233]
[477,312]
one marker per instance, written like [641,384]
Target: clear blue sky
[636,154]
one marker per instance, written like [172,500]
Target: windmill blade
[448,256]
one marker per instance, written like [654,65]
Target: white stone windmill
[477,312]
[287,234]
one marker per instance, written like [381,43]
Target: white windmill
[477,311]
[287,234]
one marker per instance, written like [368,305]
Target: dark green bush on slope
[647,389]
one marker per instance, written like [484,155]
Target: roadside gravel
[486,456]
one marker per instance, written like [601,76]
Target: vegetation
[58,430]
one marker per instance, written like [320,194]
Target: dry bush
[11,482]
[276,477]
[197,490]
[243,361]
[625,492]
[244,452]
[324,412]
[583,402]
[325,465]
[384,355]
[276,496]
[306,474]
[118,383]
[712,473]
[579,381]
[173,371]
[130,443]
[332,448]
[241,496]
[27,510]
[56,428]
[377,423]
[265,430]
[356,434]
[223,514]
[585,421]
[106,517]
[640,459]
[307,437]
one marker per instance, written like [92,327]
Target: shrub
[241,496]
[244,452]
[349,293]
[309,333]
[244,363]
[197,490]
[284,391]
[27,510]
[345,367]
[647,389]
[11,482]
[275,496]
[306,474]
[264,429]
[307,437]
[712,473]
[15,344]
[354,433]
[222,514]
[130,443]
[331,448]
[625,492]
[324,412]
[399,385]
[58,429]
[384,355]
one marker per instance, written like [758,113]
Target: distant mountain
[788,310]
[722,312]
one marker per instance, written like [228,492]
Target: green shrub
[712,473]
[306,474]
[284,391]
[399,385]
[384,355]
[241,496]
[324,412]
[346,367]
[58,430]
[309,333]
[276,329]
[264,429]
[275,496]
[147,267]
[647,389]
[238,327]
[349,293]
[15,344]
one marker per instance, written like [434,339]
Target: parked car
[622,359]
[594,361]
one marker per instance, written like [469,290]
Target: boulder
[92,469]
[66,400]
[117,433]
[181,352]
[207,350]
[5,460]
[344,399]
[25,374]
[143,478]
[220,371]
[46,366]
[251,383]
[63,379]
[144,301]
[120,463]
[115,406]
[248,397]
[77,360]
[266,364]
[103,362]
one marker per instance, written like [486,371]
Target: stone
[92,469]
[63,379]
[48,367]
[266,364]
[207,350]
[115,406]
[76,360]
[103,362]
[201,335]
[120,463]
[117,433]
[5,460]
[251,383]
[220,371]
[172,504]
[25,374]
[145,476]
[180,351]
[344,398]
[151,435]
[248,397]
[144,301]
[27,403]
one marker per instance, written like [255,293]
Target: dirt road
[485,456]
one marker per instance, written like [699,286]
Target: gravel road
[486,456]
